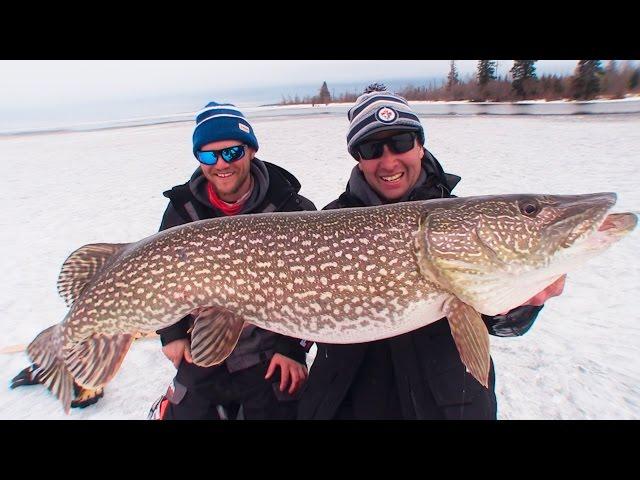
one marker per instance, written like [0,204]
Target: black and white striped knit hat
[377,110]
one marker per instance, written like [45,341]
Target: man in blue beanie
[262,376]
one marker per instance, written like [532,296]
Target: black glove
[513,323]
[86,396]
[28,376]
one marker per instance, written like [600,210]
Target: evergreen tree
[324,95]
[586,79]
[521,72]
[611,82]
[452,78]
[486,71]
[634,79]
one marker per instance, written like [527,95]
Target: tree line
[589,80]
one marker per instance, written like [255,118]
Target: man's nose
[388,157]
[220,164]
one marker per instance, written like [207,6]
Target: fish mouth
[593,219]
[611,228]
[618,223]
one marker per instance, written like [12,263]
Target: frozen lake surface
[581,359]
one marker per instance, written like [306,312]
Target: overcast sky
[30,83]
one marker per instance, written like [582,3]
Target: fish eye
[529,208]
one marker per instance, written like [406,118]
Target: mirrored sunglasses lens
[208,158]
[232,153]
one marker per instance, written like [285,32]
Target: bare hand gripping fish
[338,276]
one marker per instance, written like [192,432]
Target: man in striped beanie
[378,110]
[378,120]
[419,374]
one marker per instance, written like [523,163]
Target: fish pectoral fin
[214,336]
[50,370]
[82,265]
[471,337]
[95,361]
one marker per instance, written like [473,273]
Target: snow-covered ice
[581,359]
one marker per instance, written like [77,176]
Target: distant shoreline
[628,105]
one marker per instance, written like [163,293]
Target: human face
[230,180]
[392,174]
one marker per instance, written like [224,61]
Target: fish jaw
[614,227]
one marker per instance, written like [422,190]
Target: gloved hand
[28,376]
[86,396]
[513,323]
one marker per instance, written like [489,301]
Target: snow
[580,360]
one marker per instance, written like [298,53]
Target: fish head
[496,252]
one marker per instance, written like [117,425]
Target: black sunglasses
[400,143]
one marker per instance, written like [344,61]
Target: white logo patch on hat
[244,128]
[386,115]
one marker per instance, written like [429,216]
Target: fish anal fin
[214,336]
[95,361]
[471,337]
[82,265]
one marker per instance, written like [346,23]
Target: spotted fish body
[343,276]
[339,276]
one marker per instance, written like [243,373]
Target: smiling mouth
[393,178]
[224,175]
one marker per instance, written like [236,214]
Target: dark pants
[373,393]
[216,394]
[417,375]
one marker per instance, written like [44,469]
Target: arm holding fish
[290,370]
[290,356]
[519,320]
[514,323]
[175,341]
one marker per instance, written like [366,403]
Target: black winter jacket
[417,375]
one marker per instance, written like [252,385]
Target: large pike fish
[339,276]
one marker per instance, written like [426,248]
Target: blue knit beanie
[222,121]
[377,110]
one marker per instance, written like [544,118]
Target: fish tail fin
[46,353]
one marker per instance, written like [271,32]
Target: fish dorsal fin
[471,337]
[82,265]
[215,334]
[95,361]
